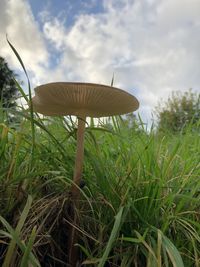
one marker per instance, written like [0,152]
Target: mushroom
[81,100]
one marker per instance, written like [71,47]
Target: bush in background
[178,112]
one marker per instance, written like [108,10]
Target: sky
[151,46]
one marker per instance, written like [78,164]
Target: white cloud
[18,23]
[54,31]
[152,46]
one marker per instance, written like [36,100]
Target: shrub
[179,111]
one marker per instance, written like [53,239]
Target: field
[140,205]
[139,201]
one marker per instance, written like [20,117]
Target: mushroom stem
[79,157]
[75,193]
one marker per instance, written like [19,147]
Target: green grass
[140,205]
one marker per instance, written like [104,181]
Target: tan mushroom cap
[82,99]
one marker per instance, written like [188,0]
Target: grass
[139,206]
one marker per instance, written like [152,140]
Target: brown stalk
[75,194]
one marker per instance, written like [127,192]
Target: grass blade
[26,256]
[172,252]
[12,245]
[114,233]
[30,98]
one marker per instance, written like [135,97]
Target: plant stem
[79,157]
[75,194]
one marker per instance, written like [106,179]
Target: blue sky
[68,9]
[152,46]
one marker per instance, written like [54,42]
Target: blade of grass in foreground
[30,98]
[25,259]
[13,235]
[172,252]
[12,245]
[114,233]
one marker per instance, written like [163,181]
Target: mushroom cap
[82,99]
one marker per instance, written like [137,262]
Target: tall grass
[139,206]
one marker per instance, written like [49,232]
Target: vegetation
[9,94]
[8,87]
[179,111]
[139,206]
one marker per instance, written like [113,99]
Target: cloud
[152,46]
[18,23]
[54,31]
